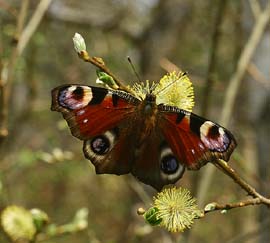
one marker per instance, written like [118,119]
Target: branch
[257,197]
[213,57]
[243,63]
[211,207]
[255,8]
[257,75]
[98,62]
[222,165]
[33,24]
[7,73]
[23,37]
[233,87]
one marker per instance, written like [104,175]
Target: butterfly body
[125,134]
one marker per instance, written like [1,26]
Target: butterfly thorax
[147,116]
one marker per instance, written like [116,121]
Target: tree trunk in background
[258,117]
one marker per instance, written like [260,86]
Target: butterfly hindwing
[91,111]
[111,152]
[193,139]
[155,163]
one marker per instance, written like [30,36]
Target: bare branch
[257,197]
[98,62]
[243,63]
[23,37]
[234,84]
[216,206]
[257,75]
[6,80]
[255,8]
[33,24]
[213,57]
[222,165]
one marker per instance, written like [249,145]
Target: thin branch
[244,60]
[6,80]
[257,75]
[249,202]
[33,24]
[23,37]
[257,197]
[232,90]
[98,62]
[138,188]
[243,184]
[213,57]
[21,19]
[255,8]
[168,66]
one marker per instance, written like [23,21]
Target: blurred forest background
[224,45]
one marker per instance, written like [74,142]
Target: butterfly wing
[155,164]
[112,151]
[117,138]
[100,117]
[90,111]
[193,139]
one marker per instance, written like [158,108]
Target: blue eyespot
[100,145]
[169,164]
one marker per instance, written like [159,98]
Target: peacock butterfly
[153,141]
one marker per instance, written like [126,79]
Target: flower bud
[79,43]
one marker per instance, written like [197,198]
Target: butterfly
[123,133]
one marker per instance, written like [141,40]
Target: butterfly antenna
[183,74]
[153,87]
[133,68]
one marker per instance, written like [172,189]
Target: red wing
[90,111]
[111,152]
[155,163]
[193,139]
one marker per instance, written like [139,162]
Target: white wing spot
[67,98]
[218,142]
[81,112]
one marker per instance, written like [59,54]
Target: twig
[21,19]
[33,24]
[168,66]
[6,80]
[255,8]
[98,62]
[258,75]
[245,186]
[243,63]
[234,84]
[213,57]
[23,39]
[257,197]
[135,186]
[228,206]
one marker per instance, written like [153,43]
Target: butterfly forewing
[195,140]
[91,111]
